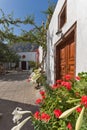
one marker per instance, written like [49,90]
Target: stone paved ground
[16,91]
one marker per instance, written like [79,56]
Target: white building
[67,40]
[25,57]
[27,52]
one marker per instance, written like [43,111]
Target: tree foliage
[7,55]
[36,36]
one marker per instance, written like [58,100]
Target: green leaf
[72,101]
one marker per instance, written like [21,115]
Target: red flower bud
[69,126]
[78,109]
[38,101]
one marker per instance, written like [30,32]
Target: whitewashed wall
[81,54]
[76,11]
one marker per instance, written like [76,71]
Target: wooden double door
[65,57]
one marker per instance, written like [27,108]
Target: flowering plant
[37,77]
[34,76]
[63,106]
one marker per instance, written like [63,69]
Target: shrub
[63,105]
[69,96]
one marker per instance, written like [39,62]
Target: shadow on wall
[7,107]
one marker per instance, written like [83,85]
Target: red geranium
[59,81]
[78,109]
[45,117]
[37,115]
[69,126]
[57,113]
[67,77]
[42,92]
[38,101]
[84,100]
[55,86]
[66,84]
[63,83]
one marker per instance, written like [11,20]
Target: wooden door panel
[71,70]
[71,58]
[62,61]
[71,50]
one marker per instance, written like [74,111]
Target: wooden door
[65,54]
[23,65]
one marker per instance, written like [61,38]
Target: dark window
[62,16]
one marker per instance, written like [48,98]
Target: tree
[36,36]
[7,35]
[7,55]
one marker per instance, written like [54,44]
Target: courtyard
[15,91]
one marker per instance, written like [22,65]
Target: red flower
[38,101]
[84,100]
[78,109]
[37,115]
[45,117]
[57,113]
[59,81]
[67,77]
[69,126]
[55,86]
[77,78]
[66,84]
[42,92]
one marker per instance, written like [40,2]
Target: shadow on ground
[16,76]
[7,107]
